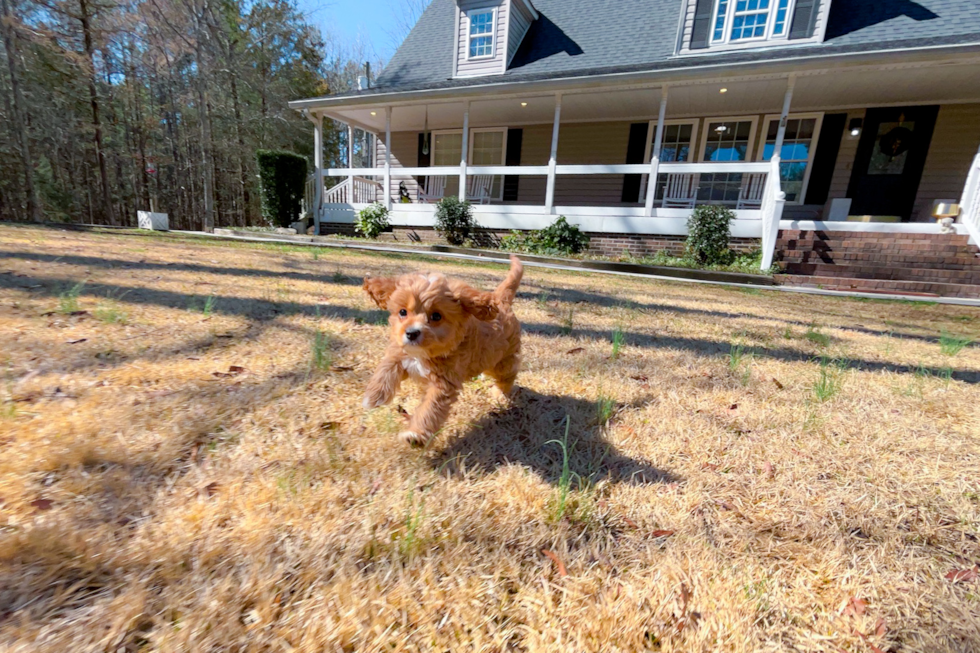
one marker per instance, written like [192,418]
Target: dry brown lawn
[185,464]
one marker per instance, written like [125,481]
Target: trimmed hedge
[282,177]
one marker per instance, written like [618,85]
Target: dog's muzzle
[413,336]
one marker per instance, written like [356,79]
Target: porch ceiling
[848,88]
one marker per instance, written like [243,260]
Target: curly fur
[459,332]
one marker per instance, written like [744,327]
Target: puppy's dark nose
[413,334]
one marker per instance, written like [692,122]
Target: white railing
[365,191]
[970,203]
[670,218]
[773,200]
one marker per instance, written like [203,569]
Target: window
[725,139]
[487,148]
[481,35]
[677,146]
[802,132]
[737,21]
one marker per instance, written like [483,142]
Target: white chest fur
[415,367]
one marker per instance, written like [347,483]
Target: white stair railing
[365,191]
[970,203]
[773,200]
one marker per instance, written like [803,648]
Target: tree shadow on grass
[525,433]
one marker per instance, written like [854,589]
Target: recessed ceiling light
[523,104]
[724,90]
[374,113]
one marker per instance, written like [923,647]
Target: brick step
[856,237]
[865,247]
[894,273]
[881,286]
[933,261]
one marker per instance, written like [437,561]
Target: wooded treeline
[111,105]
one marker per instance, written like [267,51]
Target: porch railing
[362,191]
[736,184]
[970,203]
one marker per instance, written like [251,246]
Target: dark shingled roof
[577,37]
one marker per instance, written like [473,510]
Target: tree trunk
[16,112]
[206,168]
[242,168]
[96,120]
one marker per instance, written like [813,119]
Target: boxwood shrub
[282,177]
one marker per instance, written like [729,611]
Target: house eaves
[784,60]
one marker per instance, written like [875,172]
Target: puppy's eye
[436,317]
[403,313]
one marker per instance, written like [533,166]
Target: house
[831,127]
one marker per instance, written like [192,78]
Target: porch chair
[680,193]
[435,189]
[750,196]
[478,191]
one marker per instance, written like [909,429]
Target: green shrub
[558,238]
[372,220]
[454,221]
[708,233]
[282,177]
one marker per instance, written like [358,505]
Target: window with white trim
[487,147]
[739,21]
[725,140]
[481,34]
[796,155]
[677,146]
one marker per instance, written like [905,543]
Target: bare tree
[407,14]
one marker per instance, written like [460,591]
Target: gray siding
[520,22]
[687,28]
[404,153]
[954,144]
[487,66]
[845,158]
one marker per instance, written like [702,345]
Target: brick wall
[603,244]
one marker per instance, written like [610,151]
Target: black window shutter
[635,150]
[512,183]
[424,161]
[804,19]
[831,133]
[701,34]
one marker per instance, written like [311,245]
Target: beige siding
[954,144]
[486,66]
[404,154]
[820,27]
[520,23]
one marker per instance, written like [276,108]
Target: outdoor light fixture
[523,104]
[374,113]
[721,129]
[855,126]
[724,90]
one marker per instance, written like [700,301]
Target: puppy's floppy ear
[478,304]
[379,289]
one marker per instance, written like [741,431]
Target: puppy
[444,333]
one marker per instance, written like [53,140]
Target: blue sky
[353,21]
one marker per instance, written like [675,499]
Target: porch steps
[911,264]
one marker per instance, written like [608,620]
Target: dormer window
[481,34]
[738,21]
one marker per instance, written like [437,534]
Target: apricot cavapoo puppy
[444,333]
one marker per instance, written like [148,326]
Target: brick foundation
[602,244]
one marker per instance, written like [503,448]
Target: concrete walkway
[956,301]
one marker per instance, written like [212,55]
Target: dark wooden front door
[889,161]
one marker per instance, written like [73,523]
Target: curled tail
[507,290]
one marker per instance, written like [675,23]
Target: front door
[889,161]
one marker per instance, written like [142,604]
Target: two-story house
[830,127]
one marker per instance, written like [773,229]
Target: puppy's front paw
[412,438]
[374,400]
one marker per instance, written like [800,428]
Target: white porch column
[350,162]
[464,156]
[781,133]
[549,199]
[318,173]
[773,196]
[970,202]
[658,140]
[387,189]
